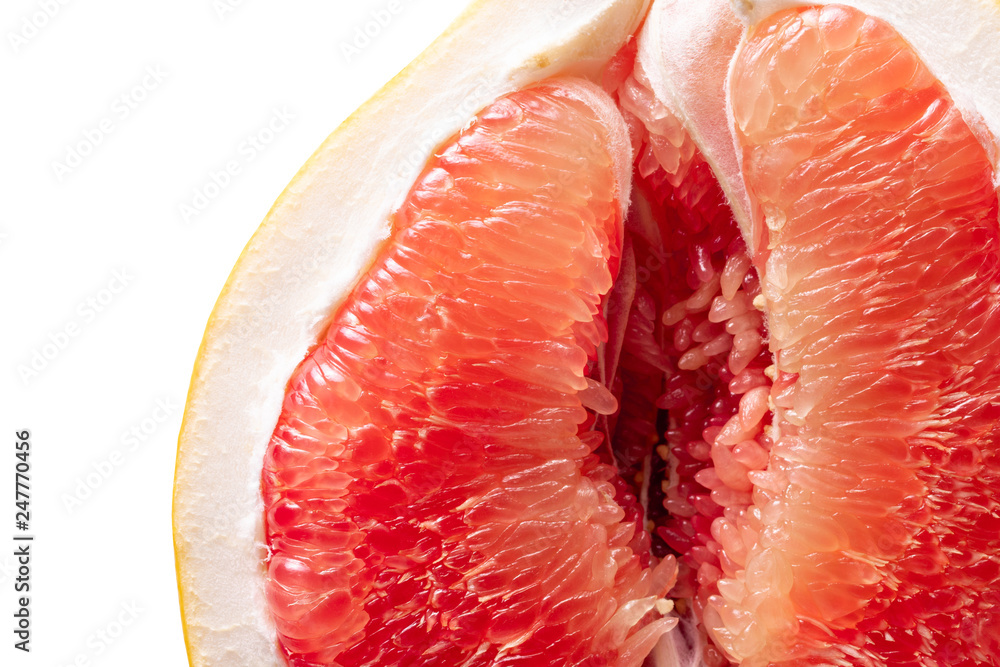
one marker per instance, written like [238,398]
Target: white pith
[313,246]
[333,217]
[698,37]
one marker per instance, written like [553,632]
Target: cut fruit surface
[870,534]
[693,326]
[429,497]
[707,371]
[320,236]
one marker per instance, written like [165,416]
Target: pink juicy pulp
[854,525]
[873,536]
[430,496]
[703,358]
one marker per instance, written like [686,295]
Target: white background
[106,287]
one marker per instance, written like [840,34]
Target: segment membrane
[700,362]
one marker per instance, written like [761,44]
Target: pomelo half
[691,296]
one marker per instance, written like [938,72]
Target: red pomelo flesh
[708,339]
[430,497]
[872,538]
[528,405]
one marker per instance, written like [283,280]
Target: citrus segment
[871,539]
[430,499]
[710,359]
[529,410]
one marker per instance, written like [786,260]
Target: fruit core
[536,423]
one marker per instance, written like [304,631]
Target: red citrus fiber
[676,347]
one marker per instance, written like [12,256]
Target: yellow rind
[456,67]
